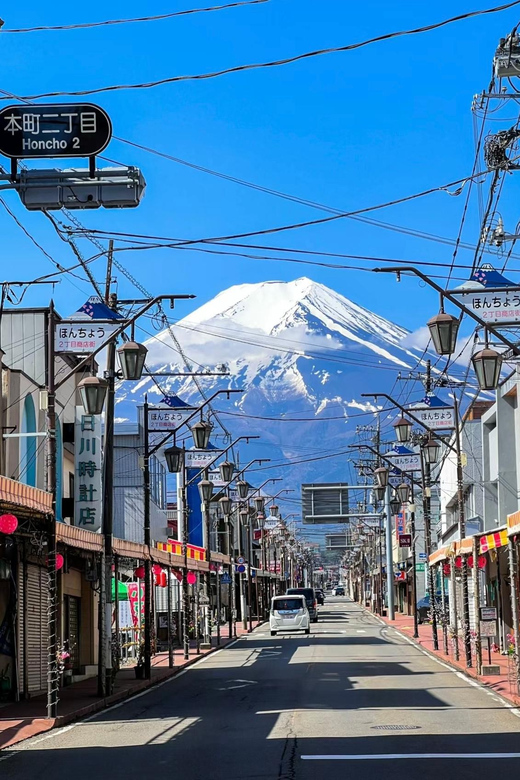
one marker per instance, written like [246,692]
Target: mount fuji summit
[302,354]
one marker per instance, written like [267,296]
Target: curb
[485,687]
[117,698]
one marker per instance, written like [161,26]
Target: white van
[289,613]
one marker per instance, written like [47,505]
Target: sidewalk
[24,719]
[503,684]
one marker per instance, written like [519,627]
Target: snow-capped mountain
[302,353]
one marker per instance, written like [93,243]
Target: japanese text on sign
[167,419]
[499,307]
[197,459]
[410,462]
[435,419]
[83,336]
[87,478]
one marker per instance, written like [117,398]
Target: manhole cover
[396,728]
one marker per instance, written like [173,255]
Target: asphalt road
[279,708]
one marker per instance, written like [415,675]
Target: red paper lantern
[446,569]
[192,578]
[139,572]
[470,561]
[8,524]
[157,569]
[458,562]
[163,579]
[60,560]
[482,561]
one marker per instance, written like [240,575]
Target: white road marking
[360,631]
[415,756]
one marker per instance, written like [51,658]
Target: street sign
[398,479]
[488,628]
[488,613]
[62,130]
[214,477]
[496,308]
[439,419]
[423,556]
[241,560]
[203,599]
[225,579]
[164,418]
[405,540]
[83,336]
[240,569]
[400,576]
[197,459]
[88,490]
[405,459]
[420,567]
[271,524]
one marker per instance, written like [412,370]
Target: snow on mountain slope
[298,350]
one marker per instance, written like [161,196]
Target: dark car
[339,590]
[310,598]
[320,597]
[423,607]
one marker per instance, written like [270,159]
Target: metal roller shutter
[32,610]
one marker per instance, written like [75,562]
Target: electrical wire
[105,23]
[278,62]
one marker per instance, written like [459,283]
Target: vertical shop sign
[87,472]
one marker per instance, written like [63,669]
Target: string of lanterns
[161,577]
[458,563]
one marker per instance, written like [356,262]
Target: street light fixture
[174,459]
[403,430]
[403,491]
[274,509]
[205,490]
[131,359]
[93,391]
[395,505]
[243,489]
[260,504]
[432,450]
[381,475]
[487,365]
[201,432]
[379,492]
[226,471]
[244,516]
[225,504]
[443,331]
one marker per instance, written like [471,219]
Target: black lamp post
[226,471]
[403,430]
[395,505]
[274,510]
[260,504]
[93,391]
[403,491]
[487,365]
[174,459]
[131,359]
[431,451]
[243,489]
[379,492]
[225,505]
[205,491]
[201,432]
[381,475]
[443,331]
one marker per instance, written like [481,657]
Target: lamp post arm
[411,416]
[382,457]
[124,326]
[220,453]
[452,299]
[235,476]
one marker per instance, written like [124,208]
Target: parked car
[320,597]
[423,607]
[310,598]
[289,613]
[339,590]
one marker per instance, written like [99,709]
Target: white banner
[197,459]
[214,477]
[164,418]
[408,462]
[500,308]
[271,524]
[87,471]
[83,336]
[437,419]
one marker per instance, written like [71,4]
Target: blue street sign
[253,573]
[240,569]
[422,557]
[225,579]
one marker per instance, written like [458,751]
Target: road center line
[415,756]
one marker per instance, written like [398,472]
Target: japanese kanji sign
[166,419]
[197,459]
[406,462]
[435,419]
[83,336]
[500,308]
[64,130]
[214,477]
[87,471]
[400,524]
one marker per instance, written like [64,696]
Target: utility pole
[462,534]
[52,659]
[147,543]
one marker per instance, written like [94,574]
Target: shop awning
[79,537]
[494,541]
[15,494]
[122,590]
[513,524]
[439,555]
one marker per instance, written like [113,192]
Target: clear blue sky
[349,130]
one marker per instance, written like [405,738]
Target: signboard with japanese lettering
[83,336]
[405,540]
[435,419]
[197,459]
[63,130]
[400,524]
[165,419]
[488,628]
[214,477]
[87,471]
[405,459]
[495,307]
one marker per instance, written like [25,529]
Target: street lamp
[205,491]
[226,471]
[93,392]
[443,331]
[244,516]
[403,430]
[381,475]
[174,459]
[487,365]
[225,504]
[395,505]
[379,492]
[431,451]
[274,510]
[131,359]
[260,504]
[403,491]
[243,489]
[201,433]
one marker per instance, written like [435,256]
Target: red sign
[399,524]
[400,576]
[133,597]
[405,540]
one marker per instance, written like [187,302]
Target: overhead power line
[107,22]
[276,63]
